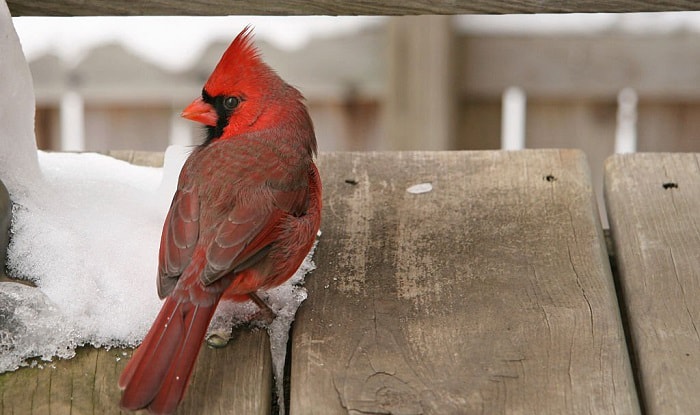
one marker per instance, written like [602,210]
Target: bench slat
[492,293]
[653,202]
[233,380]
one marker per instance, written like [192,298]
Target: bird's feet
[220,337]
[265,315]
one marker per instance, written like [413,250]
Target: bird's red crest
[239,62]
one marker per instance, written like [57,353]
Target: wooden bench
[490,293]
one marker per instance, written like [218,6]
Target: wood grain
[233,380]
[587,125]
[333,7]
[491,293]
[653,204]
[81,385]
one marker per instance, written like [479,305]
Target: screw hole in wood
[670,185]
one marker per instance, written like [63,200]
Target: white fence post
[513,113]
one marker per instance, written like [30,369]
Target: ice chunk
[18,161]
[30,326]
[286,300]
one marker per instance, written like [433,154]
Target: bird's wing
[250,229]
[178,240]
[241,238]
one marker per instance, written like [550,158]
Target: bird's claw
[265,315]
[219,338]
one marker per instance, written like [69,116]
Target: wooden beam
[234,380]
[653,203]
[596,66]
[421,98]
[491,293]
[334,7]
[223,383]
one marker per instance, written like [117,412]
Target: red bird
[245,214]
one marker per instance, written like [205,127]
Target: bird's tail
[158,373]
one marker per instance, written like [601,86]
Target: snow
[285,301]
[18,158]
[87,235]
[86,230]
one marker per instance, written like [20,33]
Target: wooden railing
[335,7]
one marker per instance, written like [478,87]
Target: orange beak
[201,112]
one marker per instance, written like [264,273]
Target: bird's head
[243,94]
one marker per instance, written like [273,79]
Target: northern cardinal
[245,214]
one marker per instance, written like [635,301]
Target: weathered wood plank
[653,210]
[65,386]
[334,7]
[491,293]
[233,380]
[587,125]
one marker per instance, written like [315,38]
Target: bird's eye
[230,103]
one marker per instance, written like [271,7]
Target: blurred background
[603,83]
